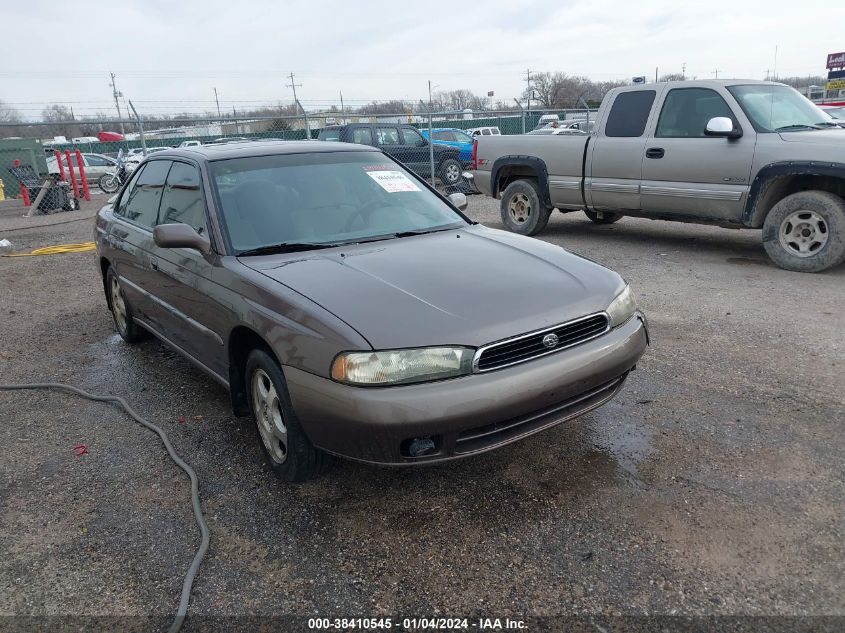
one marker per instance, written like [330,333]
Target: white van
[483,131]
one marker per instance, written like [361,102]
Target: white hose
[187,584]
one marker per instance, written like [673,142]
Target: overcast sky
[168,55]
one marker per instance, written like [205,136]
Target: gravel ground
[712,485]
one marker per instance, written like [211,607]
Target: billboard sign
[836,60]
[836,74]
[638,80]
[836,84]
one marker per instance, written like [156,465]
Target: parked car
[452,137]
[190,143]
[546,119]
[835,112]
[743,154]
[355,311]
[484,131]
[231,139]
[578,124]
[96,165]
[404,143]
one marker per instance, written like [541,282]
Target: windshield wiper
[797,126]
[285,247]
[828,124]
[424,231]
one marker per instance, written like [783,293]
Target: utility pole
[342,115]
[140,128]
[218,102]
[716,73]
[430,136]
[293,85]
[116,94]
[655,74]
[684,70]
[528,88]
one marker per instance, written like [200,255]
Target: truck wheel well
[776,189]
[242,341]
[510,173]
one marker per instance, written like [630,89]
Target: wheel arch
[241,341]
[506,169]
[105,264]
[775,181]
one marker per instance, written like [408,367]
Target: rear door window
[143,201]
[629,114]
[362,135]
[387,135]
[182,200]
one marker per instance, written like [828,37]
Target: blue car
[453,138]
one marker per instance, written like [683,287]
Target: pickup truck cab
[404,143]
[737,153]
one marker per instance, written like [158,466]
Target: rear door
[131,234]
[614,167]
[686,173]
[185,277]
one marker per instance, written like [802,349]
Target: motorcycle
[111,182]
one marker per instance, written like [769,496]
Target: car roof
[246,149]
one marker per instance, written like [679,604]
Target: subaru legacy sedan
[353,310]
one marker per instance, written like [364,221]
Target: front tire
[108,183]
[805,232]
[450,172]
[121,311]
[288,450]
[521,209]
[606,218]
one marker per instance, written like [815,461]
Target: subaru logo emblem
[550,340]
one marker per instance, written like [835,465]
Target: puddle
[622,436]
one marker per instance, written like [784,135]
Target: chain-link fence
[445,159]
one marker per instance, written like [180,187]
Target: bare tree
[8,114]
[673,77]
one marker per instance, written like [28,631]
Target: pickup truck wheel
[450,172]
[288,450]
[606,218]
[521,208]
[805,232]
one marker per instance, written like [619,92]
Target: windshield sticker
[393,181]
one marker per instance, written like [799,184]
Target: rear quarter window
[629,114]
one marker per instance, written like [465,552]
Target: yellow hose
[57,250]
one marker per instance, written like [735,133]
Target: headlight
[402,366]
[622,307]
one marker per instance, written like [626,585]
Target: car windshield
[774,108]
[462,137]
[836,113]
[322,199]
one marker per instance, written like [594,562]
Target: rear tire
[287,449]
[606,218]
[805,232]
[121,311]
[521,209]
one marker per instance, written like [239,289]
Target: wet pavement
[712,485]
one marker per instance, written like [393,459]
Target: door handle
[655,152]
[153,263]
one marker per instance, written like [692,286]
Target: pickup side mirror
[459,200]
[722,126]
[180,236]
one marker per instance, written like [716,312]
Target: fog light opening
[418,446]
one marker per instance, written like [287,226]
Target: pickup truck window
[329,134]
[774,108]
[387,135]
[686,112]
[362,135]
[629,113]
[443,135]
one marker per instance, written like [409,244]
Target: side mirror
[459,200]
[722,126]
[180,236]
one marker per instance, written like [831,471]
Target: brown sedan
[353,310]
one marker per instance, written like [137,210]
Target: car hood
[833,136]
[466,286]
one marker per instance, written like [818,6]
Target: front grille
[528,346]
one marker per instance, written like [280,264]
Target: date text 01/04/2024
[417,624]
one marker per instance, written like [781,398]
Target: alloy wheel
[268,416]
[803,233]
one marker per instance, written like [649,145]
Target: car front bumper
[467,415]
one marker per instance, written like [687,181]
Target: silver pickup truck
[739,154]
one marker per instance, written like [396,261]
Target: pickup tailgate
[561,155]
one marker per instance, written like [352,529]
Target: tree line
[549,90]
